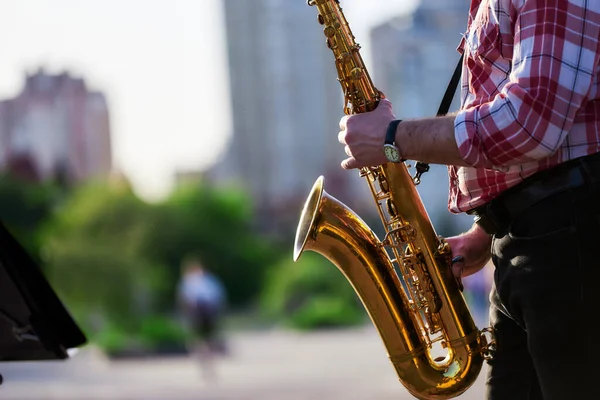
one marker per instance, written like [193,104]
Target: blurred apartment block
[286,105]
[55,128]
[415,57]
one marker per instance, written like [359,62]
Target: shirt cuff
[469,141]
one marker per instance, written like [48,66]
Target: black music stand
[34,324]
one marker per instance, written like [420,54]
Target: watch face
[391,152]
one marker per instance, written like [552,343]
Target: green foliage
[24,206]
[154,334]
[93,251]
[159,331]
[311,293]
[111,338]
[105,213]
[324,311]
[97,277]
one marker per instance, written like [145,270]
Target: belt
[496,215]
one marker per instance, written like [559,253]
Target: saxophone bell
[331,229]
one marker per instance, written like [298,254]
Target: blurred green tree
[93,248]
[311,293]
[24,206]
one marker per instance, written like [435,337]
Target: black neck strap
[443,110]
[452,85]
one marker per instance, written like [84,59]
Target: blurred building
[55,128]
[286,104]
[415,57]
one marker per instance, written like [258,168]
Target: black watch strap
[390,134]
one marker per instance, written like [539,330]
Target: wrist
[390,146]
[481,240]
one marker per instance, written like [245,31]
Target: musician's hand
[364,135]
[474,247]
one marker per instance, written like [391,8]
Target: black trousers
[545,303]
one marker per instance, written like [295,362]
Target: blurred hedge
[311,293]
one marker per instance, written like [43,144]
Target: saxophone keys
[331,43]
[357,73]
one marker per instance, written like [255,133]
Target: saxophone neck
[360,94]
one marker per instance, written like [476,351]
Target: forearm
[484,241]
[429,140]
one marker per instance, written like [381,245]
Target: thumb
[349,163]
[385,102]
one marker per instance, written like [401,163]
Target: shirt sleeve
[554,63]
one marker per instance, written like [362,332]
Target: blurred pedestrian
[202,301]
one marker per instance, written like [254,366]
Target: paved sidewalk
[274,365]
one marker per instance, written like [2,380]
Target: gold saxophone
[404,281]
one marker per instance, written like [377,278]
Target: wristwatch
[390,149]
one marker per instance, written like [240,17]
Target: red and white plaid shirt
[530,95]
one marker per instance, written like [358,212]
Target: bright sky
[161,63]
